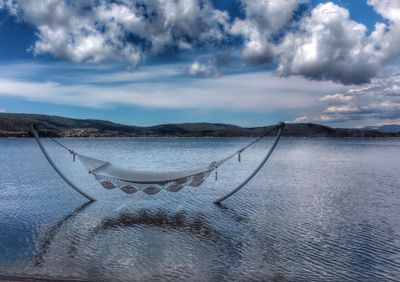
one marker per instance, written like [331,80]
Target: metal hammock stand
[131,181]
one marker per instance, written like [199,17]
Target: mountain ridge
[18,125]
[388,128]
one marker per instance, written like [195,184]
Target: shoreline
[18,125]
[199,137]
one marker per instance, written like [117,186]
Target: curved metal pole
[66,179]
[280,127]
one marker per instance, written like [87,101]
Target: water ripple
[321,209]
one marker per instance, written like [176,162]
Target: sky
[246,62]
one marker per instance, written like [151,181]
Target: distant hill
[388,128]
[18,125]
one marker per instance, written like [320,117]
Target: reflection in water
[179,221]
[49,237]
[323,209]
[69,231]
[236,215]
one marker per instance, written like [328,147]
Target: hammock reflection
[49,237]
[179,221]
[160,219]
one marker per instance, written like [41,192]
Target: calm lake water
[320,209]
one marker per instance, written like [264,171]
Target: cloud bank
[160,87]
[354,69]
[330,46]
[96,31]
[321,44]
[375,103]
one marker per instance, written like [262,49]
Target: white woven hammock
[131,181]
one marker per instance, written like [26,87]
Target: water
[320,209]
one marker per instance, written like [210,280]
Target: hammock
[132,181]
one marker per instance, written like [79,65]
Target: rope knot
[239,152]
[214,166]
[73,155]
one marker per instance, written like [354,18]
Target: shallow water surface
[320,209]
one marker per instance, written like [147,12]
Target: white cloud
[324,44]
[395,121]
[389,9]
[203,69]
[2,110]
[257,50]
[97,31]
[162,87]
[336,98]
[386,37]
[329,46]
[301,119]
[268,15]
[375,103]
[263,19]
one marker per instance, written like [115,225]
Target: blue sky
[244,62]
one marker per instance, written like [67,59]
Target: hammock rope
[238,152]
[130,181]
